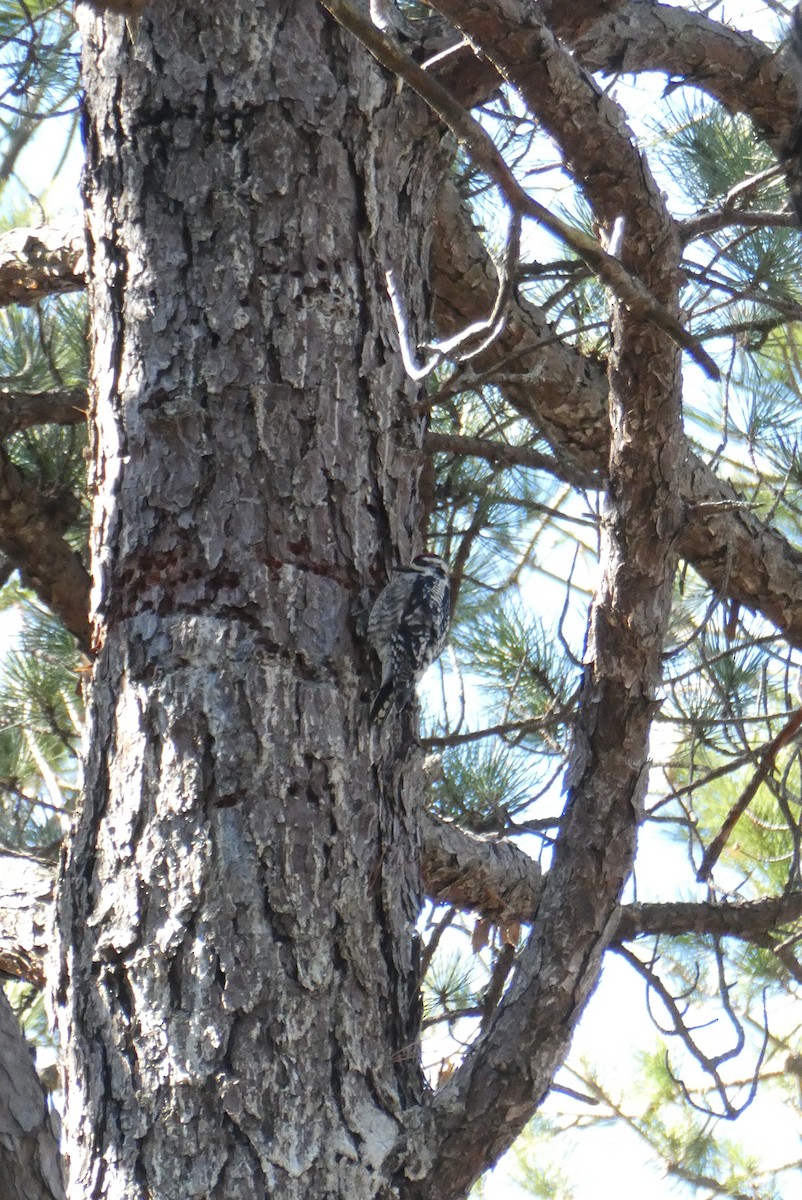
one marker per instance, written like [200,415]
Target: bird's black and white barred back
[408,629]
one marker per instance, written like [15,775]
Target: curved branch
[737,69]
[589,127]
[505,1074]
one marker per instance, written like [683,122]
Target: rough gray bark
[238,979]
[29,1156]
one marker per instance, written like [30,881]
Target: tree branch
[21,410]
[496,452]
[748,920]
[500,881]
[505,1074]
[589,127]
[737,69]
[45,261]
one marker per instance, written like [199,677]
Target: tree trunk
[238,983]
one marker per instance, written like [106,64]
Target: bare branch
[723,218]
[497,452]
[737,69]
[748,920]
[681,1029]
[506,1073]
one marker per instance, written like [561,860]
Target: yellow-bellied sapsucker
[408,628]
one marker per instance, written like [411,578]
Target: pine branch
[491,877]
[498,880]
[767,759]
[731,547]
[507,1071]
[21,410]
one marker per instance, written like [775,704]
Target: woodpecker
[408,628]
